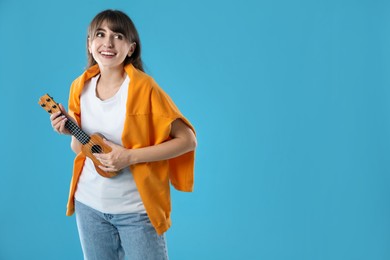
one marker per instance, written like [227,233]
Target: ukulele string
[81,135]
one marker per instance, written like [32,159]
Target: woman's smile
[108,54]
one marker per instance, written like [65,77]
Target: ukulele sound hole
[96,148]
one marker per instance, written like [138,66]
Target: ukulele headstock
[48,103]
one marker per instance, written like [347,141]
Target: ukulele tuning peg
[49,111]
[43,105]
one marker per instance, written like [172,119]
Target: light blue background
[290,100]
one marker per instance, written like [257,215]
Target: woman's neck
[109,82]
[111,77]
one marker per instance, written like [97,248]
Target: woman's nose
[108,42]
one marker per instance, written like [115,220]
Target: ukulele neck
[77,132]
[48,103]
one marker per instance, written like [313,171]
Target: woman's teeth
[107,53]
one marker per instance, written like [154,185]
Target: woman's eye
[99,34]
[119,36]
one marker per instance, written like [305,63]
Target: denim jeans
[114,236]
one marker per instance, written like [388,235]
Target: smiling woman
[121,29]
[152,144]
[108,48]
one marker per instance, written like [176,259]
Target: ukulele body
[97,145]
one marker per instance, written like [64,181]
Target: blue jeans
[112,236]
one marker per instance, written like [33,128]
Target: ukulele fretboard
[77,132]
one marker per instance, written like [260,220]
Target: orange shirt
[149,114]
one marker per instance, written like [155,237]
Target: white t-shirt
[117,195]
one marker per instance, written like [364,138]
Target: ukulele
[90,143]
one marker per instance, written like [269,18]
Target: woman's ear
[132,49]
[89,46]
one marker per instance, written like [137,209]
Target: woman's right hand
[58,121]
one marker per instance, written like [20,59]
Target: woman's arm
[75,145]
[183,141]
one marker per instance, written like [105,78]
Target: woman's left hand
[115,160]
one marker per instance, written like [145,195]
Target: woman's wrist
[132,156]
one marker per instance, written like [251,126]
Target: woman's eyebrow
[104,30]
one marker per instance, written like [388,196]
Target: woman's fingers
[62,129]
[58,123]
[55,115]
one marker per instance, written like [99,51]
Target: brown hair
[117,21]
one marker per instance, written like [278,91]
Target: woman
[152,145]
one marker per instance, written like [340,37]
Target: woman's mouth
[108,54]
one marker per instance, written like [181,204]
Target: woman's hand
[183,140]
[115,160]
[58,121]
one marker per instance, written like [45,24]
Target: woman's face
[109,48]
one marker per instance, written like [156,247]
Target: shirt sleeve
[181,168]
